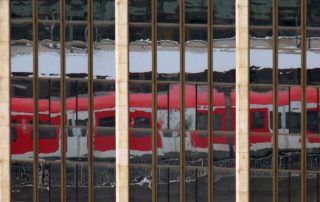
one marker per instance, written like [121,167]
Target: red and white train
[168,104]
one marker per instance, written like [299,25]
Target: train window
[13,133]
[217,122]
[279,120]
[202,121]
[257,120]
[293,122]
[141,122]
[82,122]
[107,121]
[47,133]
[312,121]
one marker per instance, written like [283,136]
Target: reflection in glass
[312,186]
[21,180]
[224,180]
[140,60]
[224,12]
[49,10]
[261,66]
[261,185]
[168,52]
[261,12]
[49,49]
[21,9]
[104,52]
[140,11]
[224,65]
[140,123]
[21,119]
[21,49]
[168,119]
[289,186]
[261,112]
[140,40]
[260,37]
[77,166]
[49,102]
[104,140]
[289,143]
[49,181]
[77,137]
[289,65]
[196,58]
[289,38]
[224,142]
[76,39]
[313,67]
[289,13]
[196,140]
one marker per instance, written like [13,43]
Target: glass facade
[62,79]
[181,100]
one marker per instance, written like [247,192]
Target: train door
[140,132]
[104,132]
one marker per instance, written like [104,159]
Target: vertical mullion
[318,118]
[90,103]
[303,101]
[210,86]
[35,101]
[154,101]
[275,118]
[182,101]
[63,176]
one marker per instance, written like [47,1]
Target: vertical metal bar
[63,180]
[49,183]
[196,189]
[90,103]
[275,118]
[318,188]
[77,184]
[35,101]
[210,101]
[154,102]
[168,188]
[318,118]
[49,89]
[303,100]
[77,113]
[196,107]
[182,99]
[168,96]
[289,110]
[289,187]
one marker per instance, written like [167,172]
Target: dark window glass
[47,132]
[312,121]
[202,121]
[258,120]
[289,13]
[13,132]
[217,122]
[293,122]
[107,121]
[224,12]
[279,120]
[83,122]
[141,122]
[261,12]
[140,10]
